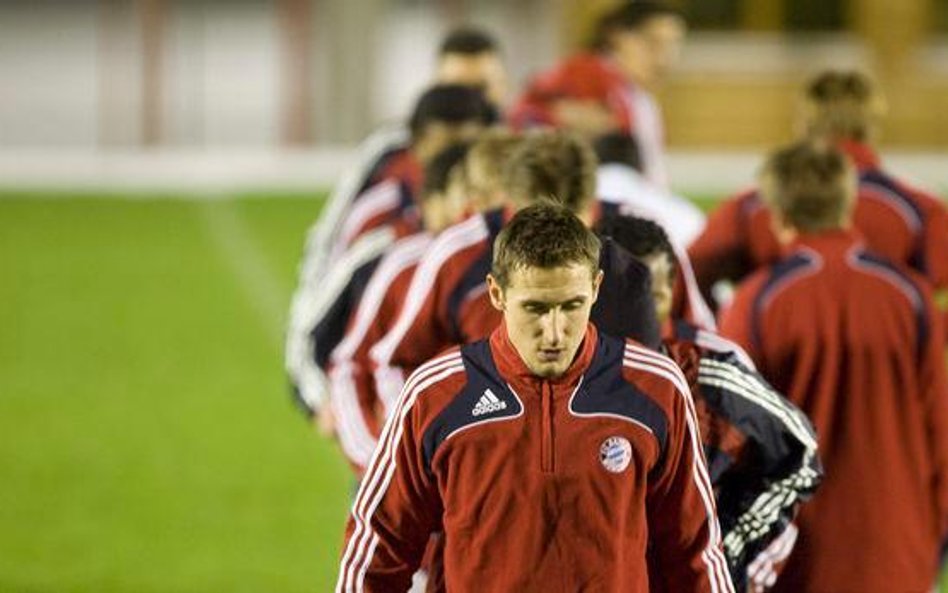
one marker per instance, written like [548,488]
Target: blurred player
[760,449]
[321,306]
[854,341]
[552,456]
[610,89]
[356,403]
[357,410]
[896,220]
[447,302]
[467,56]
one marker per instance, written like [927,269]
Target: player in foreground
[551,456]
[855,342]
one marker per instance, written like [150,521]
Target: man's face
[661,270]
[485,70]
[546,311]
[647,54]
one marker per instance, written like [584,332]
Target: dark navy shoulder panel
[495,223]
[685,332]
[331,328]
[781,272]
[604,392]
[484,398]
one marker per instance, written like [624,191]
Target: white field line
[254,275]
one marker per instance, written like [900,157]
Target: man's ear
[496,293]
[597,282]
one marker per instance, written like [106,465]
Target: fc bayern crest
[615,454]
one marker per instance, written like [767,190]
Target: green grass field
[147,441]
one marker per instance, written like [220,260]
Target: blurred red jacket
[855,342]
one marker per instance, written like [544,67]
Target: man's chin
[548,370]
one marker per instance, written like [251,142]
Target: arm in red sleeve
[687,554]
[721,252]
[358,408]
[398,505]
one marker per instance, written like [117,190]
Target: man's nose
[553,327]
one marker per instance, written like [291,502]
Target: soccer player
[357,410]
[552,456]
[443,115]
[610,88]
[467,56]
[897,221]
[854,341]
[447,302]
[356,402]
[761,449]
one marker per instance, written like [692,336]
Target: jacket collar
[826,243]
[514,370]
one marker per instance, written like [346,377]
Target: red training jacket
[593,481]
[854,341]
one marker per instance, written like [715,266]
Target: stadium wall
[219,173]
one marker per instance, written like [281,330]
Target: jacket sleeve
[319,316]
[686,554]
[356,400]
[396,509]
[419,333]
[776,468]
[721,252]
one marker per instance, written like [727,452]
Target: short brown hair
[552,165]
[842,104]
[812,187]
[544,235]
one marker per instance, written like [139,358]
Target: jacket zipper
[546,443]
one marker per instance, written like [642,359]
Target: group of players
[508,323]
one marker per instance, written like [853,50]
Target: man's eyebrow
[536,303]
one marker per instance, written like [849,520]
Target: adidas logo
[488,403]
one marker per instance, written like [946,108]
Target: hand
[325,421]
